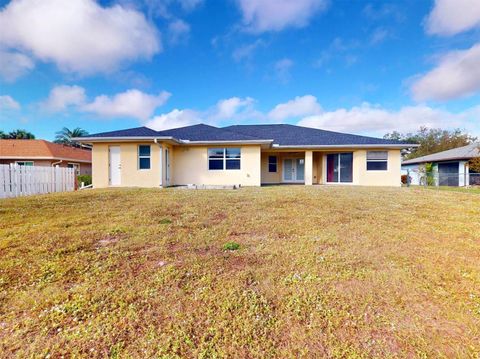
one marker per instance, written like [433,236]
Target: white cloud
[282,69]
[79,36]
[456,75]
[230,108]
[61,97]
[178,31]
[132,103]
[14,65]
[173,119]
[8,103]
[300,106]
[372,119]
[450,17]
[364,119]
[276,15]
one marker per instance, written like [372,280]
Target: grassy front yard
[333,271]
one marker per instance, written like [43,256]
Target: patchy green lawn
[319,271]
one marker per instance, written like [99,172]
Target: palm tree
[65,135]
[3,135]
[19,135]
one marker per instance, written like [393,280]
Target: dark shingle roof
[281,134]
[203,132]
[130,132]
[290,135]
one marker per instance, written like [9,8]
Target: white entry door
[294,170]
[114,165]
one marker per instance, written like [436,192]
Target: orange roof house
[45,153]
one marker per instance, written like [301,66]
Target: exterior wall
[390,177]
[191,167]
[130,175]
[276,177]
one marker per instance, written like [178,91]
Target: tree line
[64,136]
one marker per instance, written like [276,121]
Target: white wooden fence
[18,181]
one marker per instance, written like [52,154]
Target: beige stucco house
[245,155]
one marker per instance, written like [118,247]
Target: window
[144,157]
[24,163]
[232,158]
[377,160]
[224,158]
[76,166]
[272,163]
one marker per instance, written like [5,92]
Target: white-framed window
[74,165]
[144,153]
[24,163]
[227,158]
[272,164]
[377,160]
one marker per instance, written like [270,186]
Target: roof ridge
[179,128]
[255,137]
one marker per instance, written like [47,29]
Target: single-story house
[45,153]
[450,168]
[243,155]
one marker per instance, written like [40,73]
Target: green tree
[65,135]
[3,135]
[18,135]
[432,140]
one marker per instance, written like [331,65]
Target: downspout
[56,163]
[161,160]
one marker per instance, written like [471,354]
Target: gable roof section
[460,153]
[281,135]
[31,149]
[297,136]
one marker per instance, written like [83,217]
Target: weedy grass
[322,271]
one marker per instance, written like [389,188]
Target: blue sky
[366,67]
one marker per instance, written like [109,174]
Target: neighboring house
[44,153]
[450,168]
[249,155]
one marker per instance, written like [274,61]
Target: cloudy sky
[367,67]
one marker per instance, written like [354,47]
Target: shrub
[165,221]
[231,246]
[86,179]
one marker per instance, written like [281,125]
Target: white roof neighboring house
[460,153]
